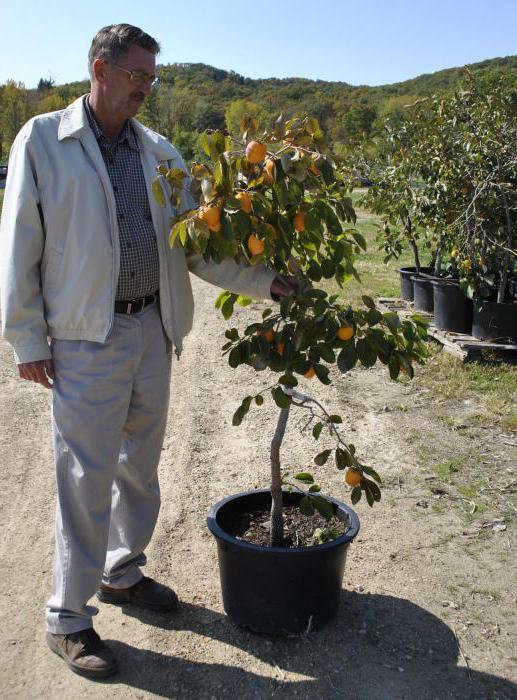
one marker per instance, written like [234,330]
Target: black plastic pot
[406,283]
[278,590]
[452,309]
[495,321]
[423,293]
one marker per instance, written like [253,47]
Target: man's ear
[99,70]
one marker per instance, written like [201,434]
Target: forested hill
[192,97]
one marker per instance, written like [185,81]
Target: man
[86,264]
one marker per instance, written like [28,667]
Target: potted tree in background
[396,195]
[277,199]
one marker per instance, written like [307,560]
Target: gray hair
[112,42]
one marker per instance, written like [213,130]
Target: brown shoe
[84,652]
[146,594]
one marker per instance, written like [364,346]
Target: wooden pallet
[462,345]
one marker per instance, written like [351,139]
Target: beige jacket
[59,240]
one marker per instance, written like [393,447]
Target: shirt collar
[127,133]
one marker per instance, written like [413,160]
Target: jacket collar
[74,124]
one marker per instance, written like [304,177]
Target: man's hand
[283,285]
[40,372]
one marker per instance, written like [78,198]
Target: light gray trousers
[109,412]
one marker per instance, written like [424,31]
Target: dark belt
[133,306]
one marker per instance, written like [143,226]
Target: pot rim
[481,302]
[218,531]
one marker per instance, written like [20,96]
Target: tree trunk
[438,259]
[506,260]
[277,518]
[413,245]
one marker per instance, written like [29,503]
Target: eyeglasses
[138,77]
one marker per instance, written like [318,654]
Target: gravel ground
[428,607]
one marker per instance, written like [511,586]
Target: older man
[86,266]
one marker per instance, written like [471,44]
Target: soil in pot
[423,293]
[299,529]
[495,321]
[406,283]
[452,309]
[278,590]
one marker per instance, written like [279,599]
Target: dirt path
[429,601]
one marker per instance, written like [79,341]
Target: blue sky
[372,43]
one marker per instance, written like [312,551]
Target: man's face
[121,94]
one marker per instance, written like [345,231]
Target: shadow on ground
[379,647]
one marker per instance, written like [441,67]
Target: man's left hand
[283,285]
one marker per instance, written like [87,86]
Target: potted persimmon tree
[277,199]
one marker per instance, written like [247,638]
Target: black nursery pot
[423,293]
[495,321]
[406,283]
[452,309]
[278,590]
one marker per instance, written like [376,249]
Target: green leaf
[316,430]
[343,458]
[347,358]
[334,418]
[366,352]
[322,457]
[266,313]
[371,472]
[281,399]
[359,239]
[288,380]
[234,358]
[373,317]
[356,494]
[394,366]
[367,492]
[314,488]
[227,307]
[322,373]
[259,399]
[306,506]
[238,416]
[324,507]
[392,321]
[158,192]
[243,300]
[232,334]
[304,477]
[326,353]
[374,489]
[368,301]
[221,298]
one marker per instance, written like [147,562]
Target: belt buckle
[129,307]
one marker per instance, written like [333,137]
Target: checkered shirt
[139,263]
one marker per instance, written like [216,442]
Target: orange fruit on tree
[212,217]
[309,374]
[245,202]
[255,245]
[255,152]
[299,221]
[353,477]
[268,173]
[345,333]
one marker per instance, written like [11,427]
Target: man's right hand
[40,371]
